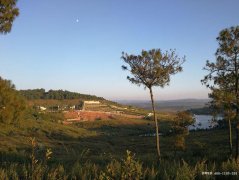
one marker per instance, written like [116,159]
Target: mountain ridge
[168,105]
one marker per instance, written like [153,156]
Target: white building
[42,108]
[91,102]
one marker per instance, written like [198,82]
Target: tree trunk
[237,133]
[237,104]
[237,138]
[156,122]
[230,136]
[236,143]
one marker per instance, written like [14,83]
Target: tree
[12,105]
[179,129]
[222,101]
[223,77]
[8,13]
[152,68]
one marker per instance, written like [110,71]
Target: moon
[77,20]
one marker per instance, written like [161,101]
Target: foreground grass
[126,168]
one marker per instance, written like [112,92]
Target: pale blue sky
[49,49]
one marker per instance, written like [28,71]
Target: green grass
[101,142]
[104,137]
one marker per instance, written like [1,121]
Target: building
[41,108]
[90,104]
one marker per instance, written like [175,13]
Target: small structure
[73,107]
[150,114]
[55,108]
[90,103]
[41,108]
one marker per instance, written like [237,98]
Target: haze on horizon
[76,45]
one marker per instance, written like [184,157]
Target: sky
[76,45]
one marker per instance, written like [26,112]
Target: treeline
[202,111]
[32,94]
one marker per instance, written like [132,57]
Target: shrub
[129,168]
[185,172]
[230,166]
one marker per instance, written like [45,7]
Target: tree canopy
[223,77]
[153,67]
[8,13]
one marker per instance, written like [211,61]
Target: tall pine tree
[152,68]
[223,76]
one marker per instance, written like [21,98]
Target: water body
[204,122]
[201,122]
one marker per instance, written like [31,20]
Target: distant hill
[63,99]
[168,105]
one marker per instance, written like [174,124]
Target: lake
[203,122]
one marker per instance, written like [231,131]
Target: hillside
[62,99]
[41,143]
[59,100]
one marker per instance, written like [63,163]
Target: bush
[230,166]
[129,168]
[185,172]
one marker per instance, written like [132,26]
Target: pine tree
[223,77]
[152,68]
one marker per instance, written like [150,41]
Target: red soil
[77,116]
[87,115]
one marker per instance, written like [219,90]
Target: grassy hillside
[99,137]
[65,99]
[104,137]
[94,150]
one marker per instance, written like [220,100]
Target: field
[99,137]
[99,143]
